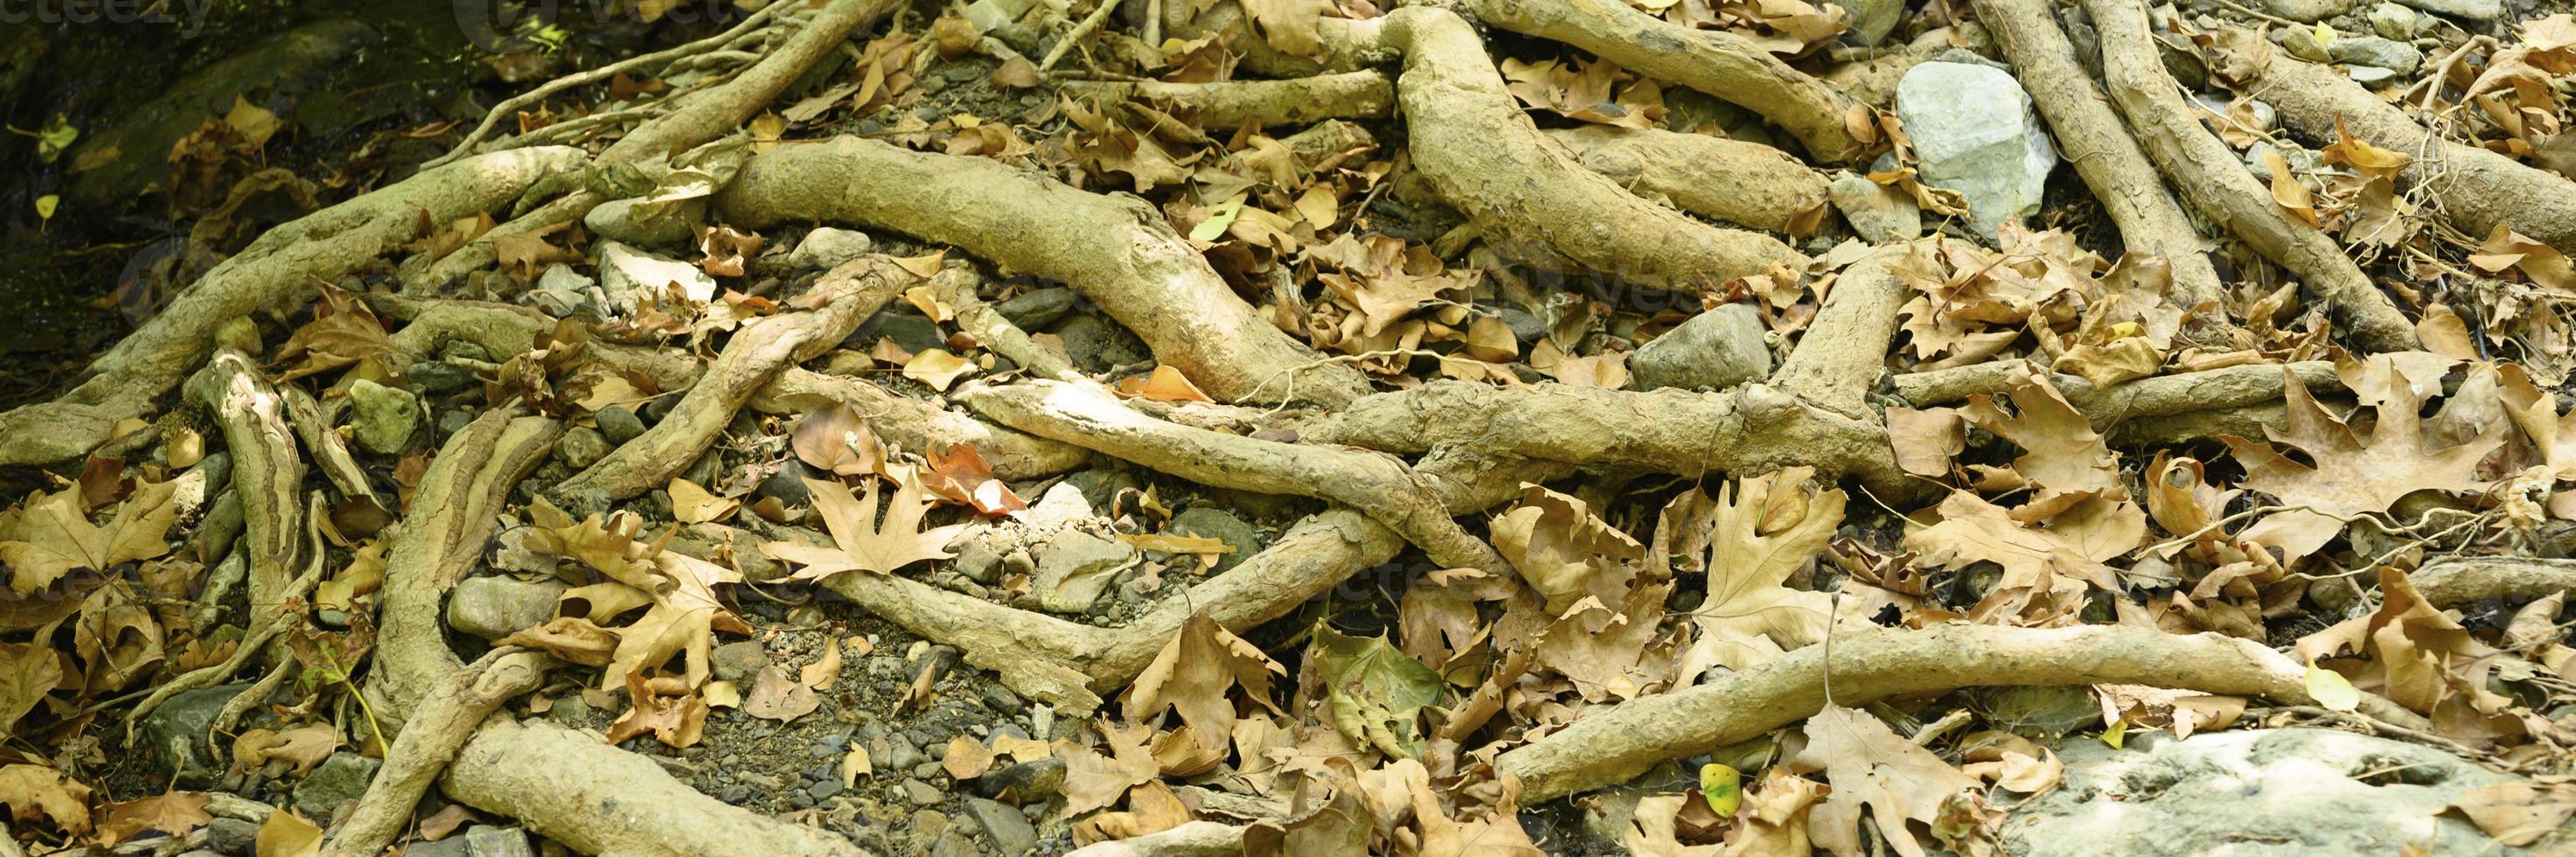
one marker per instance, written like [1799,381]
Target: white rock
[1974,132]
[628,273]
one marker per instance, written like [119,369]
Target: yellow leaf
[1319,205]
[2331,690]
[1165,385]
[1722,787]
[47,204]
[855,765]
[694,505]
[285,835]
[937,368]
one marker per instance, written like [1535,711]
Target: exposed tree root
[1374,483]
[598,799]
[1844,351]
[2160,396]
[1341,44]
[1872,80]
[1732,181]
[264,626]
[267,472]
[1719,63]
[2092,138]
[1195,839]
[911,423]
[1116,251]
[1530,198]
[2479,190]
[1754,429]
[429,740]
[282,262]
[694,119]
[330,452]
[849,294]
[1614,744]
[452,518]
[2461,581]
[1227,105]
[2216,183]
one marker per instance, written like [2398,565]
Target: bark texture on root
[1613,745]
[851,294]
[2217,184]
[574,789]
[439,725]
[2159,396]
[1377,484]
[1195,839]
[1753,429]
[1531,198]
[327,244]
[1731,181]
[1721,64]
[911,423]
[2478,189]
[1227,105]
[2092,138]
[2461,581]
[1844,351]
[1117,251]
[268,472]
[452,519]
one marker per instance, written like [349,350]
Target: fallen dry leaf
[864,542]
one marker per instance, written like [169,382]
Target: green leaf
[1722,787]
[1219,218]
[2331,690]
[1374,691]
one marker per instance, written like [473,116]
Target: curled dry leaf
[937,368]
[303,746]
[691,504]
[837,441]
[774,696]
[171,813]
[39,793]
[962,476]
[1166,384]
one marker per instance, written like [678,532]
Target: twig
[1080,31]
[584,78]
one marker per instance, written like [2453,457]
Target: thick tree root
[1844,351]
[267,471]
[1731,181]
[2216,183]
[1531,199]
[1612,745]
[1118,252]
[1753,429]
[2462,581]
[325,245]
[1377,484]
[1872,80]
[597,799]
[2092,138]
[2479,190]
[850,294]
[438,726]
[694,119]
[1227,105]
[1195,839]
[263,628]
[452,518]
[1342,44]
[2235,388]
[1716,62]
[330,452]
[911,423]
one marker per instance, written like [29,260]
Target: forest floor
[1302,427]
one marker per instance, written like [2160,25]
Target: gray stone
[618,423]
[1098,346]
[231,836]
[978,561]
[915,333]
[739,660]
[788,484]
[1038,309]
[1010,831]
[2302,42]
[1074,567]
[384,419]
[629,274]
[494,606]
[1717,349]
[435,377]
[176,731]
[2395,21]
[452,846]
[2370,75]
[560,291]
[451,422]
[1879,214]
[1222,526]
[827,247]
[921,793]
[581,447]
[1063,504]
[647,224]
[2377,52]
[1100,485]
[458,349]
[1030,782]
[954,844]
[340,779]
[2264,792]
[1525,327]
[483,840]
[1974,132]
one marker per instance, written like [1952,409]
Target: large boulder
[2264,792]
[1975,132]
